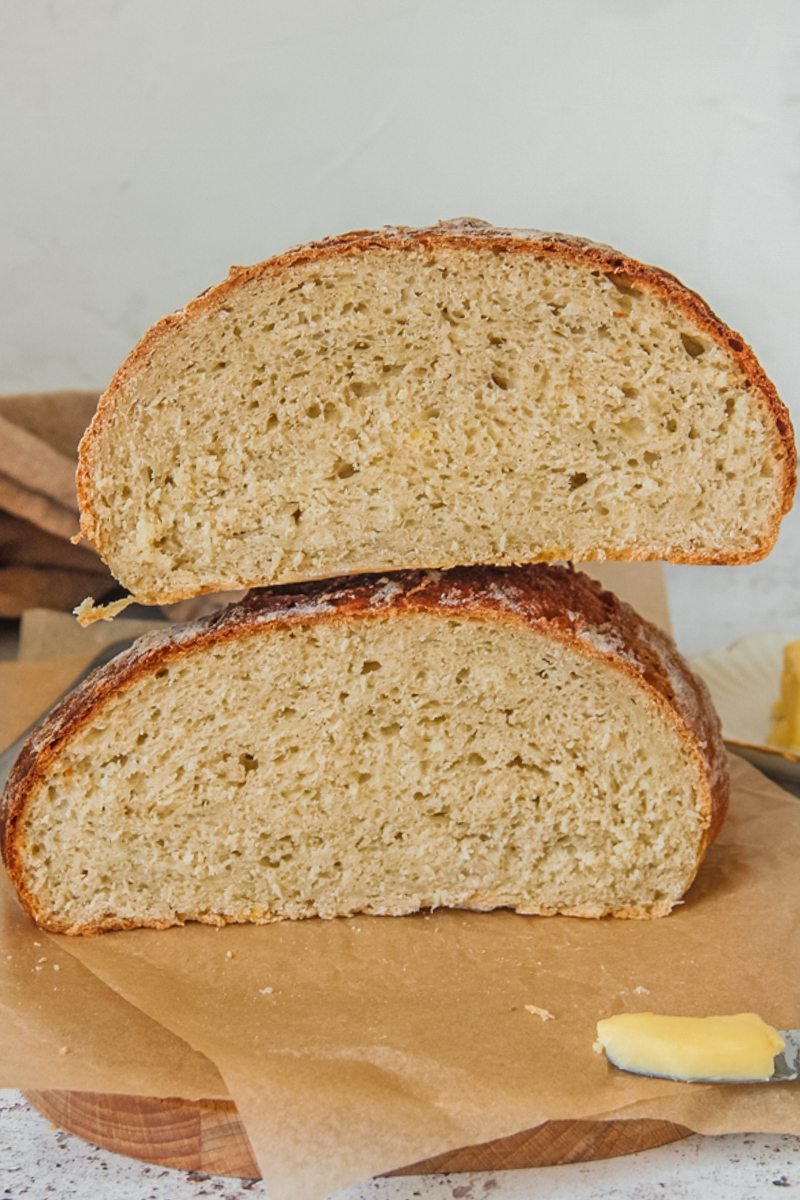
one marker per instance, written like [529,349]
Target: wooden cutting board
[207,1135]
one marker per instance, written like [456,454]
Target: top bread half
[429,398]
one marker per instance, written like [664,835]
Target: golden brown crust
[556,601]
[471,234]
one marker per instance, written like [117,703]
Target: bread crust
[469,234]
[556,601]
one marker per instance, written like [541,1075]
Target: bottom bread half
[374,746]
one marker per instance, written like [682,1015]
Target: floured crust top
[472,235]
[555,601]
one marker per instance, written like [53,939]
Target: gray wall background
[147,144]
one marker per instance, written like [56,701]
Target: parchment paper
[63,1028]
[384,1041]
[353,1047]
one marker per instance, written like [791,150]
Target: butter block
[729,1048]
[786,709]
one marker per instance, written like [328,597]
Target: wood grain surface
[207,1135]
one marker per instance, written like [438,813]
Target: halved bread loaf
[432,398]
[478,738]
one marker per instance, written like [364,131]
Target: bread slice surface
[476,738]
[427,399]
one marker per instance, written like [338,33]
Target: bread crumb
[88,612]
[265,991]
[230,953]
[39,944]
[539,1012]
[641,991]
[56,967]
[63,1050]
[597,1047]
[43,959]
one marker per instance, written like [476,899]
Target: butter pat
[786,710]
[731,1049]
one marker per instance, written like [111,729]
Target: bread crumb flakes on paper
[230,953]
[63,1050]
[539,1012]
[641,991]
[267,991]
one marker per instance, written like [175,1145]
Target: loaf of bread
[479,738]
[432,398]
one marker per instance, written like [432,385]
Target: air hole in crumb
[359,388]
[633,428]
[369,666]
[730,406]
[475,759]
[344,470]
[651,457]
[577,480]
[623,283]
[271,421]
[297,515]
[671,424]
[162,672]
[629,391]
[313,410]
[462,674]
[735,344]
[693,346]
[248,761]
[500,381]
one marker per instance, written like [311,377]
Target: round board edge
[208,1136]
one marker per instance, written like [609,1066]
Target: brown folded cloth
[39,435]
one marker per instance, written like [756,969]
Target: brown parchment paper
[355,1046]
[63,1028]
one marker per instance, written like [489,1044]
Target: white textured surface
[38,1162]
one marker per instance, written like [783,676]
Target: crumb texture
[405,760]
[435,405]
